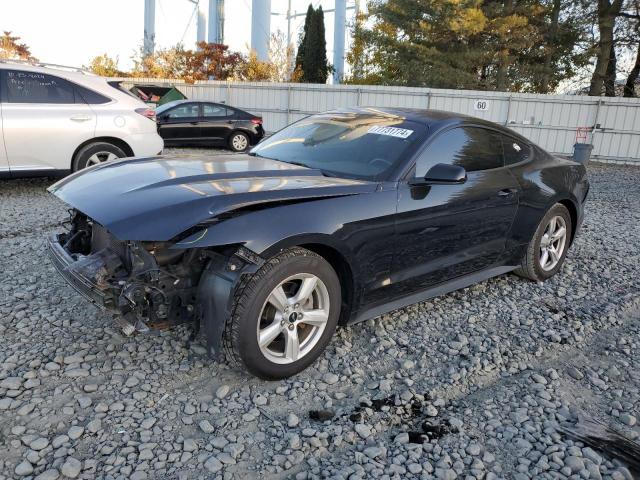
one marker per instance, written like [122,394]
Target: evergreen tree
[311,60]
[302,44]
[507,45]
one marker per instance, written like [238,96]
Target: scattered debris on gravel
[474,384]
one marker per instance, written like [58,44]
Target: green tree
[312,65]
[524,45]
[302,42]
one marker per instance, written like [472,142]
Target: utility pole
[289,23]
[339,25]
[149,27]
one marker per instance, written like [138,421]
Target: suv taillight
[256,121]
[150,113]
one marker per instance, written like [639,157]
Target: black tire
[530,266]
[240,340]
[243,139]
[101,149]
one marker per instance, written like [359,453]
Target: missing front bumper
[63,263]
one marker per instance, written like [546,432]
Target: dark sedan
[338,218]
[192,123]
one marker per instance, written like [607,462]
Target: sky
[72,32]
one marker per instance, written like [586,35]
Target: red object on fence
[581,134]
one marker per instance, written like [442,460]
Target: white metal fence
[550,121]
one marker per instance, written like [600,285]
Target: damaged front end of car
[149,285]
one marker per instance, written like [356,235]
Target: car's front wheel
[284,316]
[95,153]
[548,247]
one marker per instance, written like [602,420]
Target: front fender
[215,297]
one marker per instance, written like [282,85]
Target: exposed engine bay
[145,283]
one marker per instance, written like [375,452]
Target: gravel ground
[489,372]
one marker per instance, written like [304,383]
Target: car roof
[59,70]
[433,119]
[80,76]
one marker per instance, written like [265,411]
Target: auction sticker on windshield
[391,131]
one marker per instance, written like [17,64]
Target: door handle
[230,121]
[80,118]
[506,192]
[193,123]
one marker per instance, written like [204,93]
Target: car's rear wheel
[548,248]
[95,153]
[284,316]
[238,141]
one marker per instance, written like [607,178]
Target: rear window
[353,145]
[188,110]
[212,110]
[515,151]
[89,96]
[117,84]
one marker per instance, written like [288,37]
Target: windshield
[354,145]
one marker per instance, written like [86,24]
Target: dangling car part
[338,218]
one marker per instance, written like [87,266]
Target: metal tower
[211,14]
[201,25]
[215,32]
[339,25]
[261,28]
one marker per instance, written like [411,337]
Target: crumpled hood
[157,198]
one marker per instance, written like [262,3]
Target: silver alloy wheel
[239,142]
[552,243]
[293,318]
[100,157]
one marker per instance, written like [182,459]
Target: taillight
[256,121]
[150,113]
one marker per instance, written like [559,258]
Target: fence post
[595,122]
[506,122]
[428,99]
[358,95]
[288,103]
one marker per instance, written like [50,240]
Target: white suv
[55,120]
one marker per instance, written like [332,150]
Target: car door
[43,121]
[450,230]
[217,123]
[181,123]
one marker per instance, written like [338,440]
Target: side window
[84,95]
[472,148]
[190,110]
[34,87]
[211,110]
[515,151]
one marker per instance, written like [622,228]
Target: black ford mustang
[337,218]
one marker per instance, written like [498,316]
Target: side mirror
[442,174]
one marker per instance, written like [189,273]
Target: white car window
[35,87]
